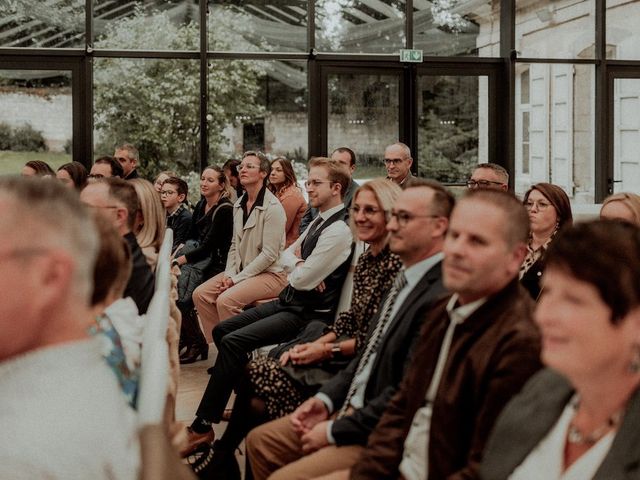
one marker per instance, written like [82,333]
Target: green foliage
[5,136]
[155,104]
[21,139]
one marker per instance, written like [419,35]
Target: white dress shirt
[332,249]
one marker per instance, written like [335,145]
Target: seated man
[476,350]
[398,161]
[128,157]
[63,413]
[105,167]
[173,195]
[117,201]
[328,431]
[315,282]
[489,175]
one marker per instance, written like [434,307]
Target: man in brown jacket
[476,350]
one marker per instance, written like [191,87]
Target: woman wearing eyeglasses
[549,210]
[284,185]
[578,419]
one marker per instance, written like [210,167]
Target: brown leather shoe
[194,440]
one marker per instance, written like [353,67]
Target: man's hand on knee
[308,415]
[315,439]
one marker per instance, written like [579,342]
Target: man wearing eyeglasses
[489,175]
[116,200]
[59,397]
[398,161]
[346,157]
[328,432]
[105,167]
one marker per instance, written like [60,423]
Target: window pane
[39,24]
[360,26]
[622,30]
[626,134]
[272,25]
[457,28]
[153,104]
[363,115]
[449,109]
[560,119]
[147,25]
[36,119]
[550,29]
[257,106]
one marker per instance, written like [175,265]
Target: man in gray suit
[328,431]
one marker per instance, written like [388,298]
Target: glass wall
[153,104]
[35,118]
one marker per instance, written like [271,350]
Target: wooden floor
[193,381]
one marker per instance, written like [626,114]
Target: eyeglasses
[167,192]
[481,183]
[403,218]
[366,211]
[315,183]
[102,206]
[540,205]
[393,161]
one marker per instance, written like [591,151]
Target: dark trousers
[236,338]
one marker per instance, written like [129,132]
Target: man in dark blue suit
[328,431]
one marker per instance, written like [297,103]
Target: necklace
[575,436]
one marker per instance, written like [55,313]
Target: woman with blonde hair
[150,220]
[622,206]
[284,185]
[162,176]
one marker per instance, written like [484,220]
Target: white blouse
[546,461]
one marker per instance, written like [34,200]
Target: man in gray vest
[315,281]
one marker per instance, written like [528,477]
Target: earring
[634,365]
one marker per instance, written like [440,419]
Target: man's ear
[181,197]
[122,216]
[55,275]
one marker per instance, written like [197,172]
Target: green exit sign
[413,56]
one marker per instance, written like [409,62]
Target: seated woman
[252,271]
[204,255]
[230,168]
[162,176]
[579,418]
[284,185]
[622,206]
[37,168]
[150,220]
[116,319]
[275,385]
[549,210]
[73,175]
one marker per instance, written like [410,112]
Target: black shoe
[195,353]
[216,463]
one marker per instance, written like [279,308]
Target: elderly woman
[549,210]
[622,206]
[579,418]
[284,185]
[275,385]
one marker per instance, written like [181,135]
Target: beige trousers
[213,308]
[274,450]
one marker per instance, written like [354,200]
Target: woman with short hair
[578,419]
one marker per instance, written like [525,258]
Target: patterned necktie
[374,340]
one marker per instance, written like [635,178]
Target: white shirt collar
[460,313]
[415,272]
[327,214]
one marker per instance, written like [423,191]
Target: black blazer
[528,418]
[388,368]
[531,279]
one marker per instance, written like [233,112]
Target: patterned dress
[373,276]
